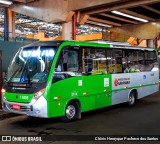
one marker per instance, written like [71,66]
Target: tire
[71,112]
[132,98]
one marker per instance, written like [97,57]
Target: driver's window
[67,64]
[68,60]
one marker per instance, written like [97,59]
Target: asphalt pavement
[5,115]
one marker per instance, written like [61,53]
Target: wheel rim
[131,99]
[70,111]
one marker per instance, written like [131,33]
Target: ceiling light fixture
[99,24]
[6,2]
[129,16]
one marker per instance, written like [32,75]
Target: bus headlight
[3,93]
[38,94]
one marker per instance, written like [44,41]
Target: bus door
[67,80]
[95,80]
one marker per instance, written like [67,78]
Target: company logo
[115,82]
[121,81]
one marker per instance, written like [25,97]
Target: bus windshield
[31,64]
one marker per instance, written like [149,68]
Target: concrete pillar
[152,43]
[5,24]
[74,22]
[67,31]
[1,79]
[11,23]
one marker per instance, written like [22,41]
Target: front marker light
[39,94]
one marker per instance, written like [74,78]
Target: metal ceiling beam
[87,4]
[136,14]
[104,21]
[83,19]
[151,9]
[69,16]
[117,18]
[123,5]
[143,31]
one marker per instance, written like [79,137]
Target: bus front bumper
[34,108]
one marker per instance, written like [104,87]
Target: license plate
[16,106]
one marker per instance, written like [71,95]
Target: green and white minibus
[66,78]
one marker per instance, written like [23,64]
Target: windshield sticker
[23,78]
[106,82]
[16,79]
[79,82]
[144,77]
[121,81]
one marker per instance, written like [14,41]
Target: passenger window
[150,60]
[115,61]
[94,61]
[102,61]
[99,62]
[139,61]
[132,61]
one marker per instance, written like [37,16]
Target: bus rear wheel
[132,98]
[71,112]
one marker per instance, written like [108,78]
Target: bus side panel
[62,92]
[145,83]
[120,96]
[120,83]
[144,91]
[150,81]
[92,91]
[96,91]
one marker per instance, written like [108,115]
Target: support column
[74,22]
[5,24]
[152,43]
[1,79]
[11,23]
[67,31]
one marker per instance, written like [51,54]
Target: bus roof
[123,45]
[45,43]
[113,44]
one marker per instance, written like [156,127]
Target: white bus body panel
[122,84]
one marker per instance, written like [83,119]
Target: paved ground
[5,115]
[141,119]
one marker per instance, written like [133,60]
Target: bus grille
[22,108]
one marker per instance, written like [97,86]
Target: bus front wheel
[71,112]
[132,98]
